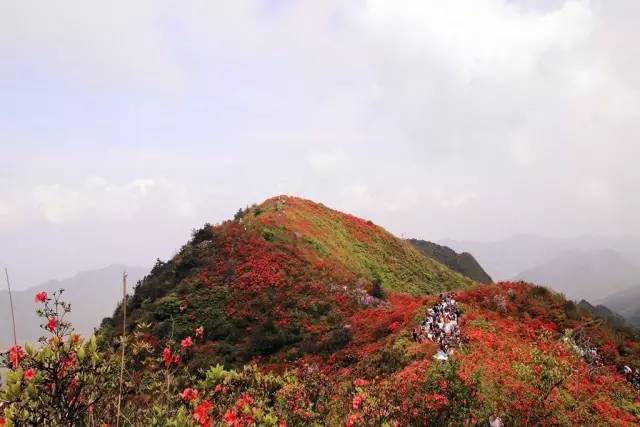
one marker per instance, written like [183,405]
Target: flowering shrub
[58,383]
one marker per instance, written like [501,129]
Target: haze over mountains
[602,270]
[93,295]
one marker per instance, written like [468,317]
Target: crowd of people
[632,375]
[441,324]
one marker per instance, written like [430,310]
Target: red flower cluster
[186,343]
[53,322]
[189,394]
[435,401]
[41,297]
[357,401]
[29,374]
[241,414]
[202,413]
[16,354]
[167,357]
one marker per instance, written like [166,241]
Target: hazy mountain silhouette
[626,303]
[590,275]
[93,295]
[506,259]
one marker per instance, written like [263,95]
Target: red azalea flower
[16,354]
[167,357]
[2,422]
[201,413]
[177,359]
[53,322]
[199,332]
[41,297]
[186,343]
[189,394]
[229,417]
[29,374]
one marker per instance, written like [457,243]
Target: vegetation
[312,326]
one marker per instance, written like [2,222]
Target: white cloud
[97,198]
[478,37]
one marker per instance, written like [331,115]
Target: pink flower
[41,297]
[16,354]
[199,332]
[357,401]
[29,374]
[186,343]
[51,326]
[189,394]
[177,359]
[167,357]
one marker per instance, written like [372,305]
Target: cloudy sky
[123,124]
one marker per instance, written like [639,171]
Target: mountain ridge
[464,263]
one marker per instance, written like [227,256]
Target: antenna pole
[13,317]
[122,341]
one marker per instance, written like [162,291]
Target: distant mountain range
[626,303]
[590,275]
[93,295]
[463,263]
[506,259]
[602,270]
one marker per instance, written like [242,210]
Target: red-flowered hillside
[282,279]
[311,314]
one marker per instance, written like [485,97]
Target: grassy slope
[360,246]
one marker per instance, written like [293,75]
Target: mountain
[590,275]
[603,312]
[282,277]
[506,259]
[93,295]
[296,314]
[463,263]
[626,303]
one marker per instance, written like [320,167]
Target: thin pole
[13,317]
[124,331]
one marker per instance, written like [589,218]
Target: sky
[124,125]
